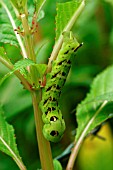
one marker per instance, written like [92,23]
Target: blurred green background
[95,29]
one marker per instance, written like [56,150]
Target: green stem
[75,150]
[29,47]
[44,145]
[67,28]
[28,38]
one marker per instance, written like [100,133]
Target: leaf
[41,15]
[57,165]
[109,1]
[4,78]
[4,59]
[3,54]
[6,32]
[19,65]
[22,64]
[39,4]
[7,140]
[11,95]
[98,152]
[27,62]
[41,68]
[98,105]
[66,15]
[7,35]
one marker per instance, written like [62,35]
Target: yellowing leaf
[96,153]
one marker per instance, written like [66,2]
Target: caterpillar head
[54,130]
[70,42]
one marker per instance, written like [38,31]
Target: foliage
[7,140]
[89,107]
[26,42]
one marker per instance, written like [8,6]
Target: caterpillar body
[54,125]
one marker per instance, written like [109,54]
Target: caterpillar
[54,125]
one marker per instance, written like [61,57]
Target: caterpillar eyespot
[54,133]
[54,125]
[54,118]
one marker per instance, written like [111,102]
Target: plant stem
[28,38]
[80,140]
[67,28]
[44,145]
[20,165]
[29,47]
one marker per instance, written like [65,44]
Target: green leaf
[7,140]
[67,13]
[41,15]
[109,1]
[39,4]
[12,27]
[4,59]
[6,30]
[19,66]
[98,105]
[4,78]
[22,64]
[3,54]
[57,165]
[11,95]
[41,68]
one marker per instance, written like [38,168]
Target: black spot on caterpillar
[54,133]
[66,52]
[54,126]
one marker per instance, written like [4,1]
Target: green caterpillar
[54,125]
